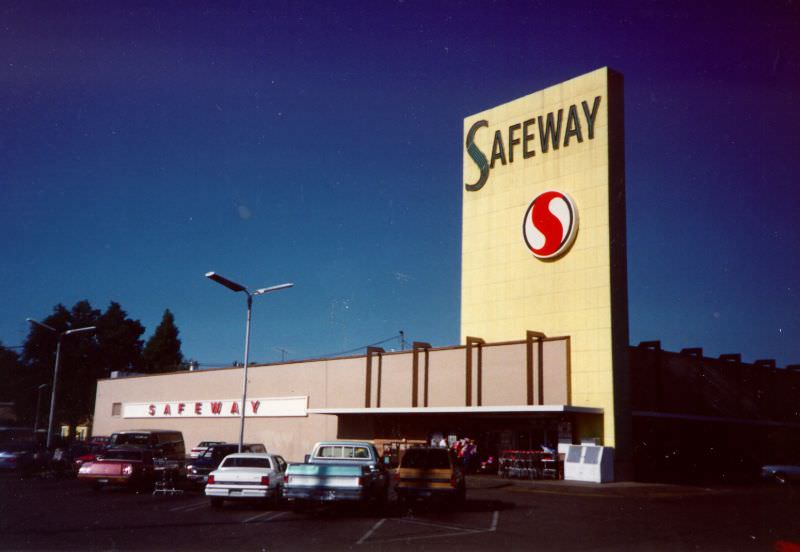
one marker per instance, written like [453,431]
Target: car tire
[404,502]
[461,494]
[273,501]
[382,498]
[217,502]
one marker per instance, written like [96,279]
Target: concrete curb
[560,486]
[486,483]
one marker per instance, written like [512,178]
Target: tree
[10,372]
[162,353]
[85,357]
[80,363]
[38,359]
[120,346]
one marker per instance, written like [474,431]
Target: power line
[400,336]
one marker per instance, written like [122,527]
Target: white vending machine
[589,463]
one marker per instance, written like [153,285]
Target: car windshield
[123,455]
[342,451]
[240,462]
[426,459]
[217,452]
[130,439]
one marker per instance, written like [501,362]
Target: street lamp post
[61,336]
[42,387]
[233,286]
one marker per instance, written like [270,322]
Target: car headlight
[84,468]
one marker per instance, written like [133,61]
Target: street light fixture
[61,336]
[42,387]
[233,286]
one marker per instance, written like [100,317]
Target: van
[165,443]
[429,473]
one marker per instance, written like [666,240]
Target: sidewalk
[582,488]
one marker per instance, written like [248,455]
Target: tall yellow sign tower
[543,237]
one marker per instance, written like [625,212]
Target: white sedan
[247,475]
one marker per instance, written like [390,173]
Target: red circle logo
[550,224]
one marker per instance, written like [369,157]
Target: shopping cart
[527,464]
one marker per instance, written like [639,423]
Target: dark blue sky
[142,145]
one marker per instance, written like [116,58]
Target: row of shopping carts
[528,464]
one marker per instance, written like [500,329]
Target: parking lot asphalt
[41,513]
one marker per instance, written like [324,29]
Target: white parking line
[437,525]
[368,534]
[433,536]
[189,507]
[451,530]
[272,515]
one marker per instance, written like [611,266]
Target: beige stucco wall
[446,367]
[396,380]
[328,384]
[290,436]
[504,382]
[505,290]
[342,387]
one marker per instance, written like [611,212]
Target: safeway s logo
[550,224]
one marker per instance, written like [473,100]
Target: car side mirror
[306,458]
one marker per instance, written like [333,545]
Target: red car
[123,466]
[94,450]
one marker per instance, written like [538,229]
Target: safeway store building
[544,355]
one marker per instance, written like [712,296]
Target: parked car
[254,475]
[430,473]
[90,455]
[102,440]
[338,471]
[782,473]
[197,469]
[202,446]
[22,457]
[15,434]
[126,466]
[65,455]
[164,443]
